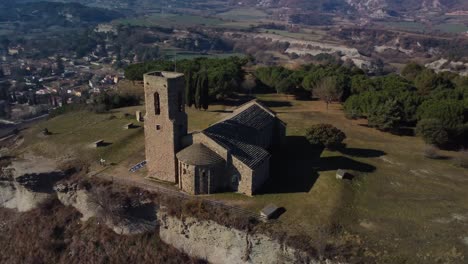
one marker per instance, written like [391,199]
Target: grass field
[170,20]
[234,19]
[182,55]
[419,27]
[409,26]
[310,35]
[74,133]
[244,14]
[452,28]
[399,208]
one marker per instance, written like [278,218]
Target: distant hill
[359,8]
[392,7]
[53,13]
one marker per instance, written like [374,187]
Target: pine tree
[386,117]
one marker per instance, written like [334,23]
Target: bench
[128,126]
[99,143]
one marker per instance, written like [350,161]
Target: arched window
[157,104]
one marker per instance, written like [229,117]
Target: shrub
[325,135]
[431,152]
[433,132]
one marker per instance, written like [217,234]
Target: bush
[431,152]
[433,132]
[325,135]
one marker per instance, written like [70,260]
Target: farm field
[420,27]
[244,14]
[399,208]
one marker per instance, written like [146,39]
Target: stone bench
[99,143]
[269,211]
[128,126]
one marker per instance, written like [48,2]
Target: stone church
[230,155]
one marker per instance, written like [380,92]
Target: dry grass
[54,234]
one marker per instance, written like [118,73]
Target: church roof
[239,132]
[199,154]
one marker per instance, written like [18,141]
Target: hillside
[53,13]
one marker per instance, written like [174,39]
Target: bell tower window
[157,104]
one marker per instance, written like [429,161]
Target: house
[231,155]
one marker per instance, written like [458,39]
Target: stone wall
[235,166]
[245,179]
[260,175]
[187,178]
[164,129]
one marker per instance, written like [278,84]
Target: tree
[411,70]
[4,43]
[59,63]
[205,97]
[285,86]
[386,117]
[189,91]
[328,91]
[325,135]
[450,112]
[202,91]
[361,83]
[426,81]
[432,132]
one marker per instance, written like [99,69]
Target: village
[33,87]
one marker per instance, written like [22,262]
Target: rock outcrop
[202,239]
[220,244]
[136,218]
[24,186]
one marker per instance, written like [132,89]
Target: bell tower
[165,123]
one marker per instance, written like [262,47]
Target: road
[8,129]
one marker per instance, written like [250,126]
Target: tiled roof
[199,154]
[239,133]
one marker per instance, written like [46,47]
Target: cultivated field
[399,208]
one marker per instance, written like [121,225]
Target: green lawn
[74,133]
[401,207]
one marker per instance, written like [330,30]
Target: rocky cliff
[220,244]
[23,186]
[204,239]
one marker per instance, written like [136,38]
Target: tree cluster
[436,102]
[207,79]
